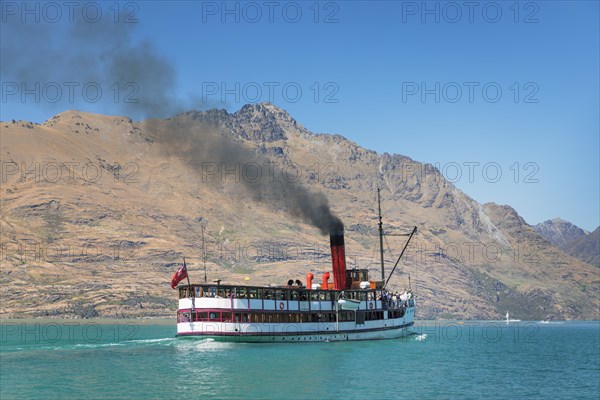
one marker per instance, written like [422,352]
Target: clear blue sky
[418,79]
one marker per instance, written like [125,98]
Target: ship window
[212,316]
[226,316]
[184,317]
[360,317]
[202,316]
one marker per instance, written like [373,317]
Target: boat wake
[421,337]
[211,345]
[202,345]
[97,345]
[133,342]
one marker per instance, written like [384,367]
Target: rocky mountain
[97,211]
[571,239]
[559,232]
[586,248]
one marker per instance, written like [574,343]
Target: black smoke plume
[201,145]
[107,53]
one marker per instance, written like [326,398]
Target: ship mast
[203,253]
[380,236]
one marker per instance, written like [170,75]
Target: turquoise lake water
[474,360]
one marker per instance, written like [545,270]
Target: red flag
[180,275]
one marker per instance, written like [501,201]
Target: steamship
[352,307]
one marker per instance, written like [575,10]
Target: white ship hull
[356,329]
[263,333]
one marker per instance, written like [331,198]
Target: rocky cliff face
[98,210]
[572,240]
[586,248]
[559,232]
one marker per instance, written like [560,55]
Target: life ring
[281,306]
[371,305]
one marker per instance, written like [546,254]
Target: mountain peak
[266,111]
[559,232]
[264,107]
[267,122]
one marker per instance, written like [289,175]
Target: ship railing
[300,294]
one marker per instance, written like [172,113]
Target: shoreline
[173,321]
[103,321]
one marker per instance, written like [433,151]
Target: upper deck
[285,297]
[276,293]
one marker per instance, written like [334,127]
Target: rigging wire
[394,286]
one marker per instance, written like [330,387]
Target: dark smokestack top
[336,238]
[334,225]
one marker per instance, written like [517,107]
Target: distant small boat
[508,320]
